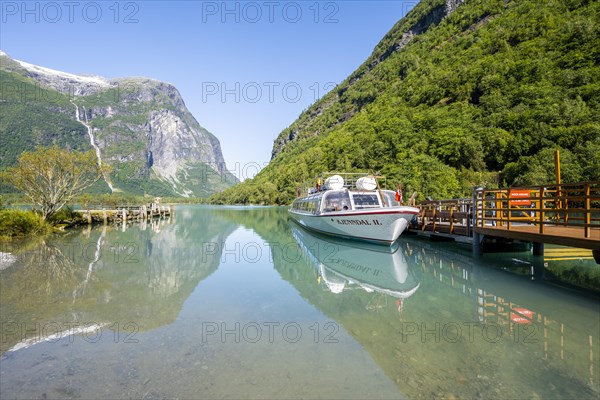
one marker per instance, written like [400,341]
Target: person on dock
[399,197]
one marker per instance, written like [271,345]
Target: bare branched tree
[51,177]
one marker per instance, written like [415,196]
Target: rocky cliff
[140,127]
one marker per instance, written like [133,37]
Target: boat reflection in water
[344,265]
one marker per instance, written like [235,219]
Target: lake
[238,302]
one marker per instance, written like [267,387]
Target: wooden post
[509,212]
[380,192]
[477,244]
[557,166]
[104,216]
[591,360]
[588,206]
[542,208]
[558,202]
[538,249]
[124,214]
[562,341]
[545,339]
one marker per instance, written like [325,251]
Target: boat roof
[350,179]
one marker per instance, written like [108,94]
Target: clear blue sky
[246,69]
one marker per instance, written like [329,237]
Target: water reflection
[344,265]
[470,330]
[111,277]
[423,319]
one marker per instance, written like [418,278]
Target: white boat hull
[383,225]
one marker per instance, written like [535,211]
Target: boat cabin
[353,191]
[344,200]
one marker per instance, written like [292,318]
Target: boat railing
[350,178]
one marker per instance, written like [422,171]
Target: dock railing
[567,205]
[446,216]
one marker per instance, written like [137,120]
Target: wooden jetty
[563,214]
[120,213]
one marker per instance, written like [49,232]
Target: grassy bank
[15,223]
[21,223]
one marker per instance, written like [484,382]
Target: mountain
[456,95]
[140,127]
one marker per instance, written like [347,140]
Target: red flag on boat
[399,198]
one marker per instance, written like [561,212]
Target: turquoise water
[233,302]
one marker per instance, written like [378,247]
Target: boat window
[362,200]
[390,199]
[307,205]
[336,201]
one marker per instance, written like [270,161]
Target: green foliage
[30,117]
[18,223]
[539,169]
[51,177]
[64,214]
[576,273]
[481,98]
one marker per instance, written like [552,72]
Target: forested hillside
[447,101]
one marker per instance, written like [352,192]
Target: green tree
[51,177]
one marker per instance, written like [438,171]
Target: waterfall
[90,266]
[92,141]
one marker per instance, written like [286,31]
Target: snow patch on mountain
[65,75]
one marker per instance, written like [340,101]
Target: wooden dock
[562,214]
[561,235]
[122,213]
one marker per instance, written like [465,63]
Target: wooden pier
[562,214]
[122,213]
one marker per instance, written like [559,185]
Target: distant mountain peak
[139,126]
[73,78]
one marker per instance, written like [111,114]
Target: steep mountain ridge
[139,126]
[481,96]
[416,23]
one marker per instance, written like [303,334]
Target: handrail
[569,205]
[446,215]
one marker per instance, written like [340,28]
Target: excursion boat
[353,208]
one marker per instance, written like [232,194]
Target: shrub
[15,223]
[64,214]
